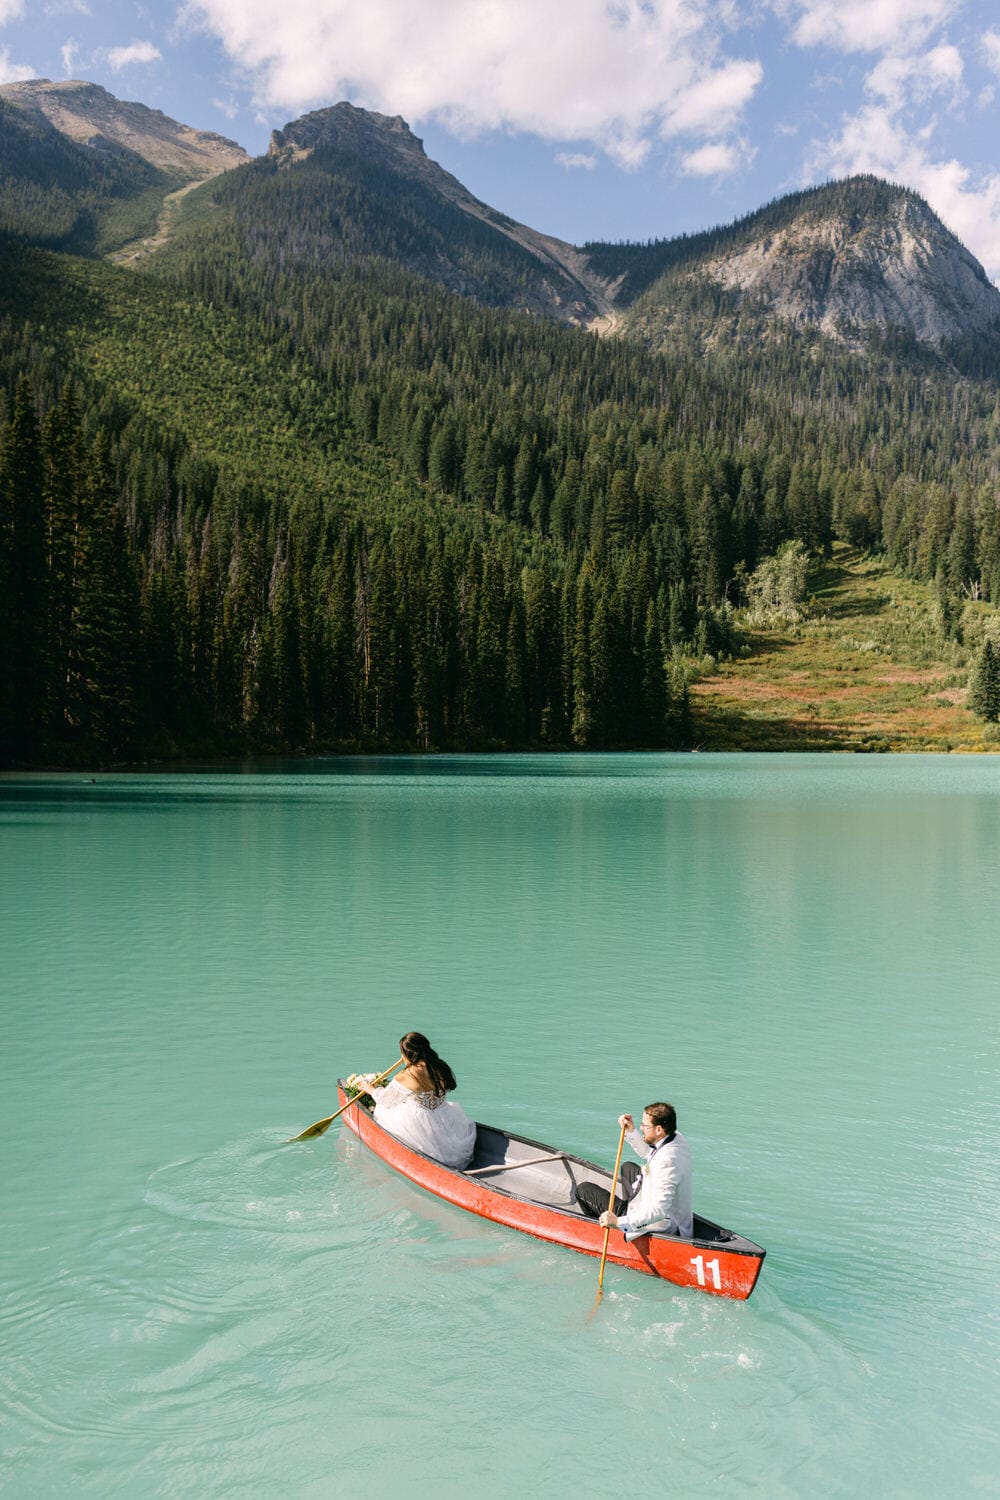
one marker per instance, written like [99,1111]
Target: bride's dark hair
[415,1047]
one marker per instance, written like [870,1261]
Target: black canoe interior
[553,1183]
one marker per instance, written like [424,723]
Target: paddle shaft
[322,1126]
[611,1209]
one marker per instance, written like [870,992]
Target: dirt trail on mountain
[137,250]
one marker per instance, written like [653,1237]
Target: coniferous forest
[276,489]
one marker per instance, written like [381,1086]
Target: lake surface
[801,953]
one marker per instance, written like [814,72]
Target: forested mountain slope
[350,186]
[284,487]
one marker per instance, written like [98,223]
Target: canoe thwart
[512,1166]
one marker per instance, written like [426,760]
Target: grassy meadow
[867,667]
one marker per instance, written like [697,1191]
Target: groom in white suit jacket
[657,1196]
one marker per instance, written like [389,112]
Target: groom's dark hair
[662,1114]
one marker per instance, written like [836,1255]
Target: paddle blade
[320,1128]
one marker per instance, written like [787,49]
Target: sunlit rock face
[89,115]
[845,273]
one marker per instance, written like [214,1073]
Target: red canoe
[507,1183]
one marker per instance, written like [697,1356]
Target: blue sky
[588,119]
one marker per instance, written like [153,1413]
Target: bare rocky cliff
[89,115]
[845,273]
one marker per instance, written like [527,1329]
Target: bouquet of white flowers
[356,1087]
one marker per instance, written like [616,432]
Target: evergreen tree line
[150,609]
[69,597]
[796,394]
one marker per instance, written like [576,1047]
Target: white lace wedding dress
[427,1122]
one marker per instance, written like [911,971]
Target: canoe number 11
[712,1268]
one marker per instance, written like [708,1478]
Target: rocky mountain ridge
[845,259]
[89,115]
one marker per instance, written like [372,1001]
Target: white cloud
[9,11]
[866,25]
[11,72]
[68,52]
[991,46]
[712,160]
[715,102]
[877,140]
[226,107]
[905,80]
[613,75]
[576,159]
[137,52]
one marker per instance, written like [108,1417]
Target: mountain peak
[87,114]
[555,282]
[846,258]
[347,127]
[862,253]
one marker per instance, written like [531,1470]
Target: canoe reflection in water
[527,1185]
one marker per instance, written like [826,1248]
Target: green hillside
[871,661]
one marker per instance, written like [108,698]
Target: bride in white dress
[414,1107]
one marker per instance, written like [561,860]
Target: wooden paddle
[322,1126]
[611,1209]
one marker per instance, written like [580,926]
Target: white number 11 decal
[712,1268]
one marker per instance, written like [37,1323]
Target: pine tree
[105,650]
[287,639]
[525,479]
[601,673]
[486,685]
[655,698]
[62,448]
[988,544]
[514,675]
[24,659]
[984,682]
[621,507]
[960,563]
[582,726]
[443,461]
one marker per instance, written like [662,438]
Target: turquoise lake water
[801,953]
